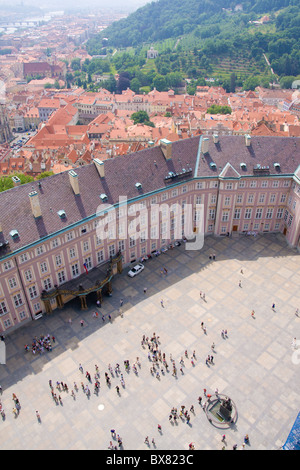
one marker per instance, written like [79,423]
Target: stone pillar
[83,302]
[120,265]
[99,295]
[109,288]
[59,301]
[48,307]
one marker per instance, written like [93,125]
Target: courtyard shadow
[180,263]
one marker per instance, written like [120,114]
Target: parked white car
[136,270]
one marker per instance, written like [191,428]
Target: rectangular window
[86,246]
[12,282]
[88,263]
[3,308]
[100,256]
[44,267]
[250,198]
[23,258]
[55,243]
[237,213]
[239,198]
[131,242]
[28,275]
[121,245]
[225,216]
[72,253]
[279,213]
[69,236]
[58,261]
[32,292]
[7,323]
[61,277]
[37,307]
[283,198]
[212,214]
[258,214]
[47,283]
[143,236]
[272,198]
[261,198]
[7,265]
[269,214]
[248,213]
[112,250]
[75,270]
[22,315]
[40,250]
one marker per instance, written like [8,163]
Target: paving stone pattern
[255,365]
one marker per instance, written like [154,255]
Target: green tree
[159,82]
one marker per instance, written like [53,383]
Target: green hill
[212,35]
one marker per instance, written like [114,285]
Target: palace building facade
[120,210]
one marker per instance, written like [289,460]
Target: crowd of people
[41,344]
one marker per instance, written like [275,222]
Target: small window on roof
[62,214]
[14,234]
[103,197]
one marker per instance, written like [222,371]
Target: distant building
[152,53]
[43,69]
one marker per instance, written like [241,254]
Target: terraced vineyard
[241,66]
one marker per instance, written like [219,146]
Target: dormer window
[62,214]
[14,234]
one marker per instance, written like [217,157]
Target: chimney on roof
[166,148]
[248,140]
[35,204]
[216,138]
[73,177]
[204,146]
[100,167]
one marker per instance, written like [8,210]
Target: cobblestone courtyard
[255,365]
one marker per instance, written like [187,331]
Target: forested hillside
[210,34]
